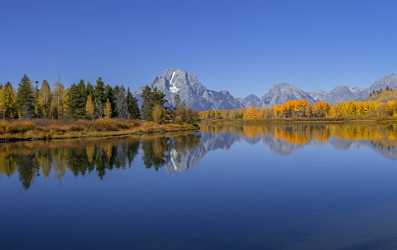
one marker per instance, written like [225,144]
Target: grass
[53,129]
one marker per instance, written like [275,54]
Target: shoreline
[143,129]
[286,121]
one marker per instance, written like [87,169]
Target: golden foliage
[304,110]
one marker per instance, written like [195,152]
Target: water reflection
[284,139]
[31,159]
[28,160]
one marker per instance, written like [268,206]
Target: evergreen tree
[133,109]
[99,97]
[38,109]
[25,98]
[147,103]
[110,96]
[151,97]
[77,100]
[90,90]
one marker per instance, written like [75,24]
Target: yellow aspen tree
[89,107]
[108,109]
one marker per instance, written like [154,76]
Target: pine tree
[150,99]
[99,97]
[133,109]
[77,100]
[89,107]
[25,98]
[108,109]
[109,95]
[90,90]
[147,104]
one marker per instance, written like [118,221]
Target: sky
[244,46]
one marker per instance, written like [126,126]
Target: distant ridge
[196,95]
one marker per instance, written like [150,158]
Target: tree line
[84,100]
[302,109]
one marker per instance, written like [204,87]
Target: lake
[268,186]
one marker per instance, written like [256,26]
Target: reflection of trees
[284,138]
[31,159]
[154,152]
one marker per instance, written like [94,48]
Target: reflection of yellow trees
[385,133]
[292,134]
[7,164]
[303,133]
[254,131]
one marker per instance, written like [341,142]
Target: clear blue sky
[243,46]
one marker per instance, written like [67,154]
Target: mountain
[340,94]
[387,81]
[384,95]
[251,101]
[192,92]
[344,93]
[319,95]
[283,92]
[195,95]
[279,93]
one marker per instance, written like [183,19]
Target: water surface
[297,186]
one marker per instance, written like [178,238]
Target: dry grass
[54,129]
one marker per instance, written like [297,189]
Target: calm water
[227,187]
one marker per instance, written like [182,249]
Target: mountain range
[195,95]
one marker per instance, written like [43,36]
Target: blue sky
[243,46]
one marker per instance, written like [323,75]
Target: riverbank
[20,130]
[286,121]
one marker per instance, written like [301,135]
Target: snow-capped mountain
[195,95]
[192,92]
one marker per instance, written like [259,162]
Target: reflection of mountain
[340,144]
[279,146]
[384,149]
[179,153]
[181,160]
[287,138]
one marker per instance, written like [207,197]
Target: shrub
[19,127]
